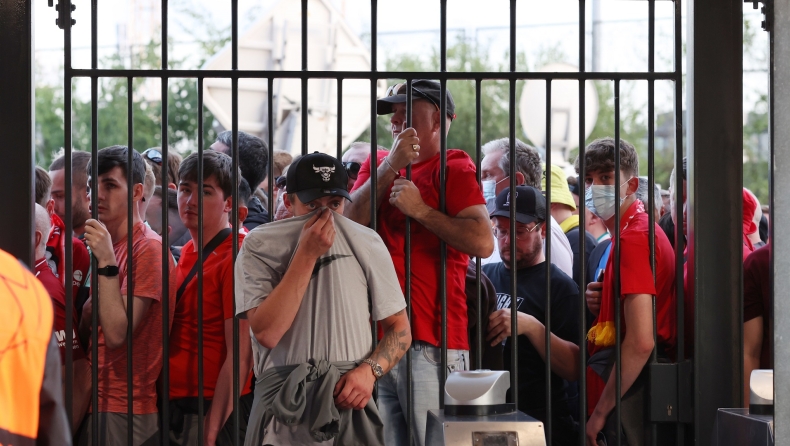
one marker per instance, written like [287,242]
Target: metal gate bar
[129,260]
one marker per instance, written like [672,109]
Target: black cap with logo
[317,175]
[530,204]
[421,89]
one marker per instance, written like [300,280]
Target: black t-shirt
[564,323]
[589,245]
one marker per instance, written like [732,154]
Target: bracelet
[387,160]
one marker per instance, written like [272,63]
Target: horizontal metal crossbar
[323,74]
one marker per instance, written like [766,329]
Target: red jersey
[757,299]
[56,258]
[146,258]
[58,297]
[217,308]
[462,192]
[636,277]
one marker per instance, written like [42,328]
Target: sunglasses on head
[393,91]
[280,182]
[352,169]
[153,155]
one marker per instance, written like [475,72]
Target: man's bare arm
[222,402]
[468,232]
[81,386]
[354,389]
[358,209]
[395,341]
[564,354]
[752,348]
[636,349]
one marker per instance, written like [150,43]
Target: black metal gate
[234,74]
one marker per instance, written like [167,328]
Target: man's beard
[525,259]
[78,216]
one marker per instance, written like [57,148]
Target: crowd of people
[310,279]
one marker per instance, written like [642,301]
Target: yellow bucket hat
[560,192]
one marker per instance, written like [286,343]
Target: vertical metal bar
[680,237]
[478,159]
[235,218]
[165,245]
[234,213]
[513,205]
[270,127]
[582,415]
[129,260]
[69,254]
[339,118]
[616,297]
[373,136]
[165,52]
[651,176]
[18,125]
[714,103]
[200,260]
[548,263]
[651,182]
[305,114]
[407,282]
[95,215]
[94,265]
[443,194]
[373,117]
[165,397]
[780,205]
[678,187]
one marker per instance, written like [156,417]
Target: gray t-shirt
[333,321]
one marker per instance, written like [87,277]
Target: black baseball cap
[317,175]
[421,88]
[530,204]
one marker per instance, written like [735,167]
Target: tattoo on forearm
[392,346]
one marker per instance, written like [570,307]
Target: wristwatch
[109,271]
[378,372]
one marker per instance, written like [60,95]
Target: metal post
[715,178]
[780,211]
[17,124]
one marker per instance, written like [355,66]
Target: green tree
[112,109]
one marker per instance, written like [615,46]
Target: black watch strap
[109,271]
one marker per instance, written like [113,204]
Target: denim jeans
[426,365]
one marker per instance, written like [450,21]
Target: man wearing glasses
[464,226]
[531,305]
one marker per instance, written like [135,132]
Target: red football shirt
[636,277]
[81,261]
[217,308]
[146,258]
[58,296]
[462,192]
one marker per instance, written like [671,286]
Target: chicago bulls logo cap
[317,175]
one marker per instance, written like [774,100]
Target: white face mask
[489,188]
[599,199]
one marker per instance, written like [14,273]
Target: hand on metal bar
[405,149]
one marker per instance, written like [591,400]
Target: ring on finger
[415,147]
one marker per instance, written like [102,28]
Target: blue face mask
[489,188]
[599,199]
